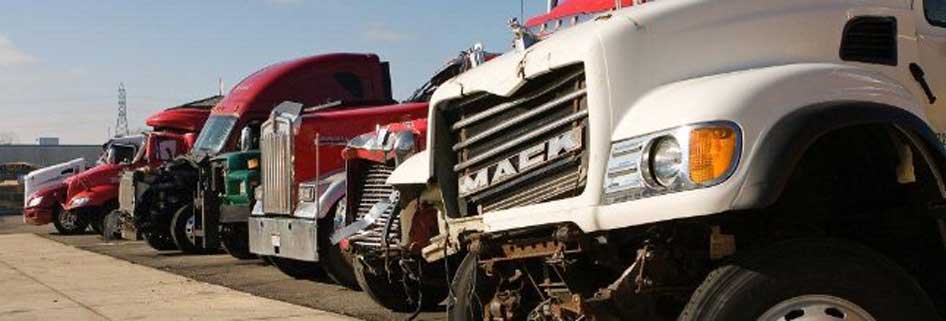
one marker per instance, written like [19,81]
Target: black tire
[159,241]
[470,290]
[180,233]
[235,240]
[111,226]
[790,279]
[337,263]
[391,293]
[69,222]
[297,269]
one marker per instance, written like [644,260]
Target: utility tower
[121,124]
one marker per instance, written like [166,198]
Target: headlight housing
[307,193]
[674,160]
[34,201]
[79,201]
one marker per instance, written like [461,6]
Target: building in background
[47,141]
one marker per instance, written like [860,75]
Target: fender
[785,145]
[97,196]
[331,190]
[765,103]
[413,171]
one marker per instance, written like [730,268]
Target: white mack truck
[732,160]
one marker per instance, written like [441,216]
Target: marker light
[712,150]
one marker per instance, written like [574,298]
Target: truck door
[931,67]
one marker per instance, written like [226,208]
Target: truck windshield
[215,133]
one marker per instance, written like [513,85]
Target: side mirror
[246,139]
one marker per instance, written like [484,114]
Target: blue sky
[61,61]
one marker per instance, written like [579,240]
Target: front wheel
[183,227]
[69,222]
[395,290]
[820,280]
[235,240]
[159,241]
[112,226]
[297,269]
[338,263]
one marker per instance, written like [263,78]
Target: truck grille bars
[524,149]
[276,152]
[374,190]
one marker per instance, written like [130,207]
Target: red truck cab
[85,198]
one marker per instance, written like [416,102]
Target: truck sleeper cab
[635,165]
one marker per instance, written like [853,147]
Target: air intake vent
[870,40]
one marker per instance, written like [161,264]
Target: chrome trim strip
[507,105]
[521,139]
[532,113]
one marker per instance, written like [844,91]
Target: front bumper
[38,215]
[286,237]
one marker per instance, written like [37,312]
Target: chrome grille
[126,192]
[276,152]
[509,149]
[373,190]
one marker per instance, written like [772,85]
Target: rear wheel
[183,227]
[336,262]
[819,280]
[297,269]
[235,240]
[69,222]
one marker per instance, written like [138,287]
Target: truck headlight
[79,201]
[34,201]
[306,193]
[673,160]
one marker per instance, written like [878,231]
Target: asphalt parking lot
[250,276]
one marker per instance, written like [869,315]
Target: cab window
[935,12]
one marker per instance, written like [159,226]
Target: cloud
[10,55]
[381,33]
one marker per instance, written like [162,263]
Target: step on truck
[698,160]
[85,198]
[302,201]
[202,200]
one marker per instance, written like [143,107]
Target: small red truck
[84,199]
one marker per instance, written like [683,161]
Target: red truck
[201,201]
[83,200]
[303,196]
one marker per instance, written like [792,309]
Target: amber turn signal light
[712,150]
[252,163]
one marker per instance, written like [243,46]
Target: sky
[61,62]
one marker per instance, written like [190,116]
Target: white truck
[697,160]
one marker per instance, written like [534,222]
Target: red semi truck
[84,199]
[201,200]
[303,197]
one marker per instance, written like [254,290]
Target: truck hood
[508,72]
[102,174]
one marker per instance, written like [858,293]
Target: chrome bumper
[286,237]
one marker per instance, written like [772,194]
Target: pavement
[41,279]
[248,276]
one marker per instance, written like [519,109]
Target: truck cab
[185,203]
[646,162]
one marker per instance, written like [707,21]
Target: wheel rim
[69,220]
[816,308]
[189,229]
[340,218]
